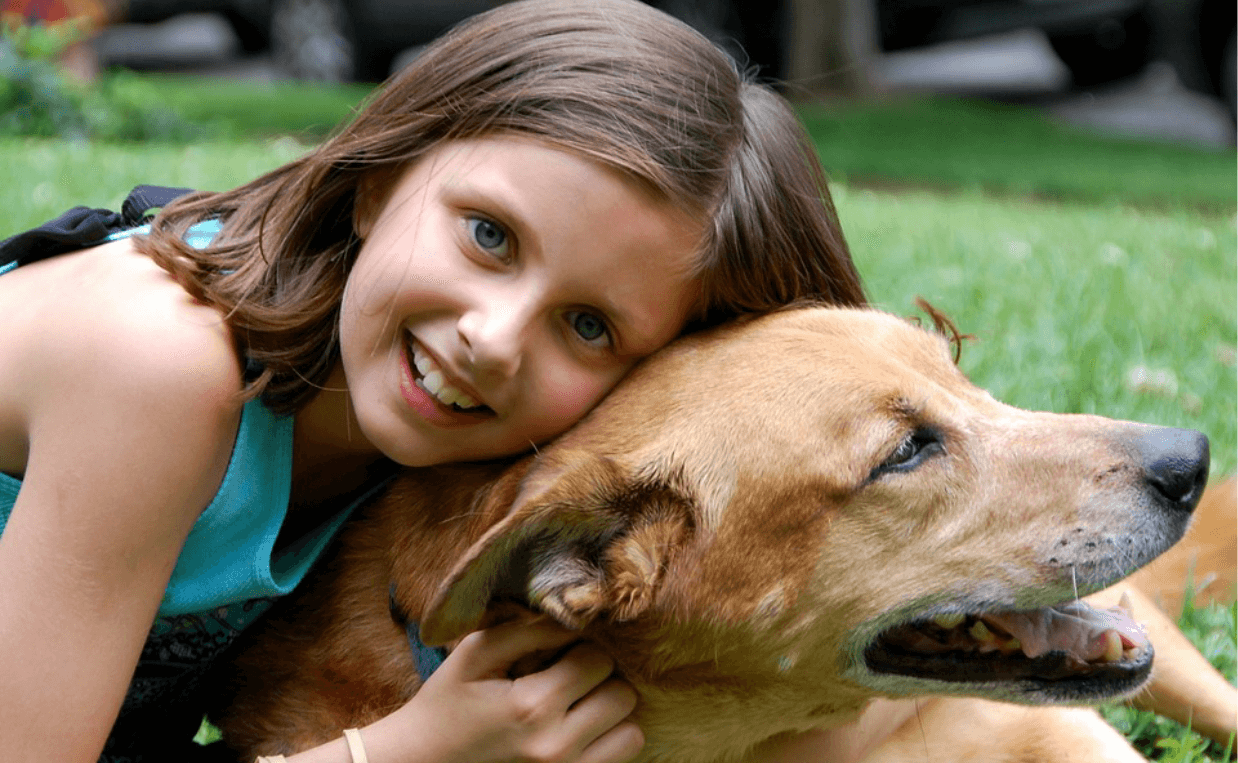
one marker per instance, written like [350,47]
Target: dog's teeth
[981,633]
[1113,647]
[949,621]
[1124,604]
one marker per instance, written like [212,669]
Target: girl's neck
[331,458]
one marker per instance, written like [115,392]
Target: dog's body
[768,527]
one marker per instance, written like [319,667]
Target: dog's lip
[1055,667]
[893,649]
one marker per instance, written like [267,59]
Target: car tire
[1228,76]
[317,40]
[752,34]
[253,33]
[1113,49]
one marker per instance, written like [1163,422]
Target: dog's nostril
[1176,464]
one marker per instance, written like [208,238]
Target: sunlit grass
[1075,308]
[1014,151]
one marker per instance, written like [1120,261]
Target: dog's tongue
[1074,628]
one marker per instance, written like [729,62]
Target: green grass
[46,177]
[1013,151]
[1067,302]
[1214,631]
[1081,264]
[244,108]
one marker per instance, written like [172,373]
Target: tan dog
[768,527]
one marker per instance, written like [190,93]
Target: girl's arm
[127,393]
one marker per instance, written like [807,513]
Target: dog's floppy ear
[581,540]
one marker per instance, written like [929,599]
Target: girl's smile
[438,399]
[503,287]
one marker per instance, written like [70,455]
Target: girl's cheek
[568,398]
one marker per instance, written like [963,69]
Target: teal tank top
[230,555]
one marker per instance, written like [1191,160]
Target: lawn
[1096,275]
[1013,151]
[1075,308]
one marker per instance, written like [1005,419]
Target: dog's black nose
[1175,463]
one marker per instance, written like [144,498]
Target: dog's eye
[910,453]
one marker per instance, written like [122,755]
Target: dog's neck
[768,713]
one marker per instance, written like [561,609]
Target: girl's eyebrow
[501,203]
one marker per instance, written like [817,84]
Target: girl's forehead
[460,155]
[520,171]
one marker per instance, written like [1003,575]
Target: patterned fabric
[168,695]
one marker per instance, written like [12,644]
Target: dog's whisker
[923,733]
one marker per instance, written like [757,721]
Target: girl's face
[502,288]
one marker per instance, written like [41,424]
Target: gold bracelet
[356,748]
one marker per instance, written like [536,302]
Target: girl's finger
[621,743]
[491,653]
[573,675]
[601,710]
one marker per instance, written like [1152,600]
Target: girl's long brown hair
[612,80]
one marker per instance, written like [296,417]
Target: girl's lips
[429,407]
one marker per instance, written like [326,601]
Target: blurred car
[343,40]
[1098,40]
[250,19]
[360,39]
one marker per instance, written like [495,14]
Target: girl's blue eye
[588,326]
[489,236]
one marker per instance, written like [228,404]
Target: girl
[549,193]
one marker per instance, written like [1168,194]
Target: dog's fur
[736,525]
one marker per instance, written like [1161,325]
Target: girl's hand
[471,711]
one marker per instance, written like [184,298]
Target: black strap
[145,198]
[82,226]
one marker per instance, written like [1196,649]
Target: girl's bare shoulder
[106,329]
[118,410]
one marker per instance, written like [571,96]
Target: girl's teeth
[456,396]
[432,381]
[424,364]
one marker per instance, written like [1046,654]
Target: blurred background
[1057,176]
[1150,67]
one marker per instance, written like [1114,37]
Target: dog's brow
[905,409]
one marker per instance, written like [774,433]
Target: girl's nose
[493,338]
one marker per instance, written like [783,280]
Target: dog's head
[814,507]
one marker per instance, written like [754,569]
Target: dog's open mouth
[1051,644]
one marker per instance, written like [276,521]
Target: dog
[778,526]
